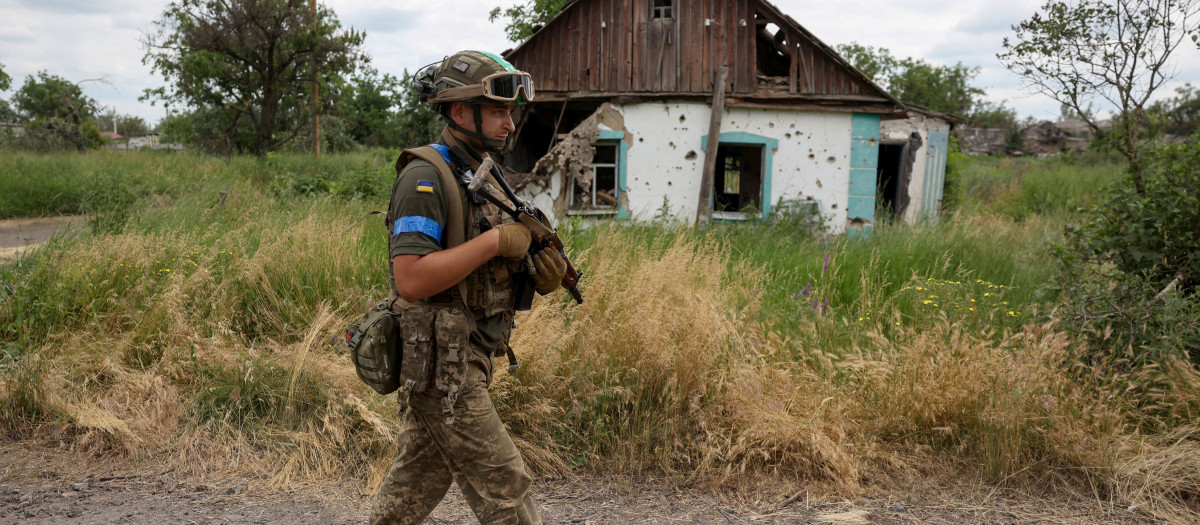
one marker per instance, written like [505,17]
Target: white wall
[666,156]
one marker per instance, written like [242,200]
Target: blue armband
[419,224]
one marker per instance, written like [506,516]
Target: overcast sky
[83,39]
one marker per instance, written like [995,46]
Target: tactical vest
[492,288]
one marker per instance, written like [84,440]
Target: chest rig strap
[456,230]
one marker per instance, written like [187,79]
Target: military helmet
[474,77]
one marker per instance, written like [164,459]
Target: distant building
[145,141]
[981,141]
[11,127]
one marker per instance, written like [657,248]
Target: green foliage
[51,96]
[1024,188]
[525,19]
[941,88]
[126,125]
[1117,53]
[369,106]
[1130,274]
[1178,115]
[5,80]
[1157,236]
[249,61]
[417,124]
[56,114]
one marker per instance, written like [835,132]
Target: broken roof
[602,49]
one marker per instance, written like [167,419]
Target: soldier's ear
[461,113]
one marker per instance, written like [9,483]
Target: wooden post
[316,106]
[710,150]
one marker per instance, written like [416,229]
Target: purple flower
[807,288]
[826,263]
[824,306]
[816,303]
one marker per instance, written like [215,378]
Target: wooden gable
[650,48]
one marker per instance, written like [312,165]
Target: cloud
[385,19]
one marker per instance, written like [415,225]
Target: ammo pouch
[436,350]
[373,348]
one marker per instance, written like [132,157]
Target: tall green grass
[205,326]
[1052,188]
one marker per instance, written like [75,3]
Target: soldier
[461,301]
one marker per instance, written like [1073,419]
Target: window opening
[662,9]
[599,197]
[739,180]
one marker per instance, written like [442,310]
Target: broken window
[738,179]
[774,58]
[662,9]
[598,196]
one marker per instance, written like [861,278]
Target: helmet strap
[477,134]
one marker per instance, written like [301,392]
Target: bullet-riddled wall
[806,156]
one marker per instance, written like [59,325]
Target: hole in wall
[691,155]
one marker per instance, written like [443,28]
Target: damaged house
[714,110]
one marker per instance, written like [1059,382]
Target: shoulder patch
[425,186]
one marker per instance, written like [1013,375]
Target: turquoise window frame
[769,147]
[622,211]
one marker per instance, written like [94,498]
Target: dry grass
[225,363]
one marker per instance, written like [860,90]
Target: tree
[56,113]
[526,19]
[1178,115]
[248,61]
[5,80]
[941,88]
[1115,51]
[126,125]
[418,124]
[369,105]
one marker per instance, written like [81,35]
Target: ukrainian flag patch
[425,186]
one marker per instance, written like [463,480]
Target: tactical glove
[514,240]
[550,268]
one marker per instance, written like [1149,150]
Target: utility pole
[316,137]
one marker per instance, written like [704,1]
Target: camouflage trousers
[475,451]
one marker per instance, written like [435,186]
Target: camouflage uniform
[472,448]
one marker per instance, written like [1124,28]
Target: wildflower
[824,306]
[826,267]
[1012,313]
[919,288]
[927,301]
[985,294]
[807,288]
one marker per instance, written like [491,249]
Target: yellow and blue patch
[425,186]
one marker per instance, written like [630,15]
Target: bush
[1129,281]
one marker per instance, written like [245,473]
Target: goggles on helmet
[506,87]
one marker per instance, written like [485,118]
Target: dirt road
[16,235]
[43,484]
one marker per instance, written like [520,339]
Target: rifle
[531,217]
